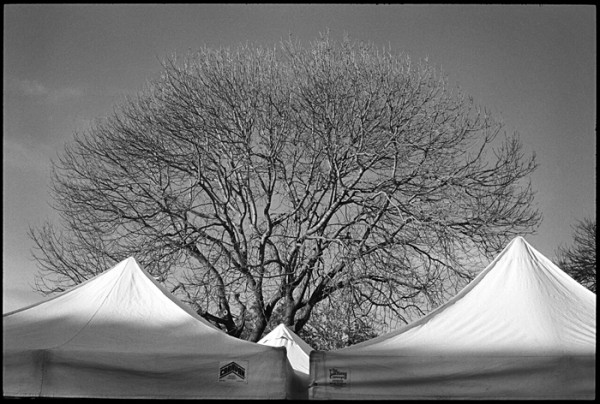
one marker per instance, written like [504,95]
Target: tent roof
[298,351]
[520,302]
[122,309]
[122,335]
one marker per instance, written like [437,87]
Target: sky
[532,66]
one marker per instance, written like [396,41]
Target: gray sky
[66,65]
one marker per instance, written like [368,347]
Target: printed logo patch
[338,377]
[234,371]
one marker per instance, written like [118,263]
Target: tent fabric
[298,354]
[521,329]
[122,335]
[298,351]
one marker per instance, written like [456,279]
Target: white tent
[298,353]
[122,335]
[521,329]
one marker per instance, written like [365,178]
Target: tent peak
[522,298]
[519,240]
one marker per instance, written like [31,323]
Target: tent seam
[91,318]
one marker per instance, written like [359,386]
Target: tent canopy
[522,328]
[298,354]
[122,335]
[298,351]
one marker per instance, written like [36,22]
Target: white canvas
[298,354]
[122,335]
[521,329]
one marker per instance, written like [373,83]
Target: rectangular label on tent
[233,371]
[338,377]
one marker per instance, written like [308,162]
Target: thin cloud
[29,87]
[65,94]
[33,88]
[26,156]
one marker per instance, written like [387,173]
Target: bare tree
[259,183]
[579,260]
[335,326]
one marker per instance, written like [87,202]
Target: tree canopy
[579,259]
[259,183]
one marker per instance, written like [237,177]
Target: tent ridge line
[442,307]
[83,327]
